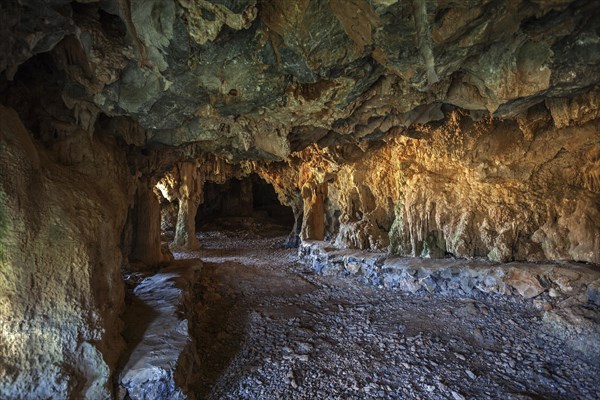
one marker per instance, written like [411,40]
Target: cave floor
[267,327]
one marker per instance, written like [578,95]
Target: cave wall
[61,216]
[146,226]
[506,190]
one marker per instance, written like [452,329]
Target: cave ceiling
[262,79]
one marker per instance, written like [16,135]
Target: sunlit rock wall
[506,190]
[60,284]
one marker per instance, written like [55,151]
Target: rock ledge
[460,276]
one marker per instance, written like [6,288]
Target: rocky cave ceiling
[254,79]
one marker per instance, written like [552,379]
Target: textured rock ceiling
[261,79]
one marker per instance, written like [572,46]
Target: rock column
[190,195]
[294,236]
[146,240]
[313,226]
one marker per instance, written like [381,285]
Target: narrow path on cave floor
[269,328]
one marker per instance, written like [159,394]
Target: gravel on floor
[267,327]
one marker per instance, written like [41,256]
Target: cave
[314,199]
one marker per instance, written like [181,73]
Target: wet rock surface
[268,327]
[160,350]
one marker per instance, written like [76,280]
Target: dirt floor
[267,327]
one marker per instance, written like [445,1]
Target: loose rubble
[268,327]
[452,275]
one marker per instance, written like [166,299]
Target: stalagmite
[189,196]
[313,226]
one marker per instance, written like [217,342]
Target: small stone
[429,388]
[526,285]
[353,267]
[593,293]
[470,374]
[457,396]
[542,305]
[478,335]
[582,298]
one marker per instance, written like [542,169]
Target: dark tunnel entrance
[245,199]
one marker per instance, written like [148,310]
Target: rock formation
[146,376]
[185,183]
[490,188]
[414,128]
[190,192]
[61,288]
[147,242]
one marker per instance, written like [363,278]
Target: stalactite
[424,39]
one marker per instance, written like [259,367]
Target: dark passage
[242,228]
[249,197]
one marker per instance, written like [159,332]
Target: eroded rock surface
[266,78]
[466,277]
[489,188]
[161,353]
[61,291]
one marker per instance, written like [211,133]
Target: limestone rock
[463,277]
[147,246]
[185,184]
[163,352]
[407,128]
[263,79]
[467,189]
[526,284]
[577,110]
[60,283]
